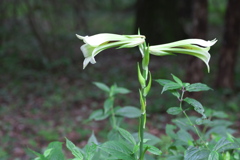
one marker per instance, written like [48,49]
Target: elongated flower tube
[99,42]
[195,47]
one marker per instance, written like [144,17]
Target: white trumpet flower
[195,47]
[99,42]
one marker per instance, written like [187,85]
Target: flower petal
[99,39]
[195,47]
[196,42]
[87,50]
[80,37]
[203,55]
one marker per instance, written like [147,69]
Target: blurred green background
[45,94]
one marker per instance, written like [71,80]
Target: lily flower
[195,47]
[99,42]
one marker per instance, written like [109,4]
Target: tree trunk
[159,20]
[200,15]
[228,52]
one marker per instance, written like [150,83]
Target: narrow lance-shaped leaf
[141,78]
[163,82]
[56,151]
[127,136]
[92,139]
[196,87]
[223,144]
[213,156]
[147,89]
[171,86]
[197,106]
[175,93]
[102,86]
[75,151]
[176,79]
[152,149]
[196,153]
[121,90]
[128,111]
[118,150]
[108,104]
[174,110]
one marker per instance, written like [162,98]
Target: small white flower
[99,42]
[195,47]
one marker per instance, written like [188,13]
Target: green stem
[196,130]
[113,116]
[141,134]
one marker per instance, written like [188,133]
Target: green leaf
[152,139]
[223,145]
[176,79]
[174,110]
[152,149]
[184,136]
[108,104]
[196,87]
[170,131]
[121,90]
[163,82]
[186,84]
[175,93]
[47,152]
[102,86]
[171,86]
[178,157]
[75,151]
[219,114]
[98,115]
[197,106]
[90,151]
[92,139]
[199,121]
[39,156]
[196,153]
[141,78]
[127,136]
[129,112]
[219,130]
[117,150]
[213,155]
[147,89]
[114,135]
[56,151]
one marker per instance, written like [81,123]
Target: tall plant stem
[143,76]
[141,135]
[113,116]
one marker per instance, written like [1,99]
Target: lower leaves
[190,138]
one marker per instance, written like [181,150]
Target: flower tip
[208,69]
[80,37]
[213,41]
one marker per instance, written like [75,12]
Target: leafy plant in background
[214,139]
[121,143]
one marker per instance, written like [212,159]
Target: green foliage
[215,140]
[52,152]
[128,112]
[75,151]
